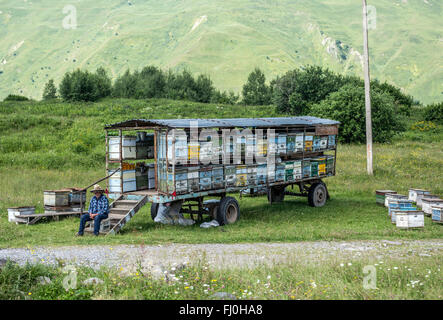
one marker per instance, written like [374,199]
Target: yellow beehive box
[193,151]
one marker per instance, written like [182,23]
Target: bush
[85,86]
[15,97]
[403,102]
[434,112]
[347,105]
[424,126]
[299,89]
[225,97]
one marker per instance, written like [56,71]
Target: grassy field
[232,38]
[37,154]
[399,278]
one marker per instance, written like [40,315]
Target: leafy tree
[347,105]
[181,86]
[204,88]
[255,91]
[103,83]
[125,86]
[150,83]
[298,89]
[84,86]
[50,91]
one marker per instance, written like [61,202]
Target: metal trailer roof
[224,123]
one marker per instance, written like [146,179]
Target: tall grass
[397,278]
[55,145]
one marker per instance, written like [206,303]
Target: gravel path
[158,258]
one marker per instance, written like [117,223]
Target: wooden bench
[33,218]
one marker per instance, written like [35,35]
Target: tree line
[310,90]
[150,82]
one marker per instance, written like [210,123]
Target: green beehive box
[314,168]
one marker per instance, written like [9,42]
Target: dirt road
[159,258]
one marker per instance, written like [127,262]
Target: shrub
[299,89]
[434,112]
[85,86]
[225,97]
[347,105]
[15,97]
[424,126]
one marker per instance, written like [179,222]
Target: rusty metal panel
[326,130]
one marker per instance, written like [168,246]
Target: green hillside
[225,39]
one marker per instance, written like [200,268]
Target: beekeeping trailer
[303,148]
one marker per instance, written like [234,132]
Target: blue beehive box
[331,141]
[437,215]
[317,143]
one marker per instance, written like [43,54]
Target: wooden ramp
[120,212]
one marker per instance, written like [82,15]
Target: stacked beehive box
[218,181]
[77,197]
[201,176]
[428,203]
[133,147]
[420,197]
[396,205]
[193,179]
[129,180]
[380,196]
[402,211]
[410,219]
[56,201]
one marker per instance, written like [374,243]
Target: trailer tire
[228,211]
[276,194]
[154,210]
[318,194]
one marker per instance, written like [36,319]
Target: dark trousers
[97,220]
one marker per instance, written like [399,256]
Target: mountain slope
[223,38]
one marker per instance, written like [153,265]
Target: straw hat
[97,188]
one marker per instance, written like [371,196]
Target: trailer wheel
[228,211]
[318,194]
[154,210]
[276,194]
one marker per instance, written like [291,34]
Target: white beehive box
[390,196]
[129,148]
[129,181]
[414,192]
[428,203]
[15,214]
[420,197]
[410,219]
[56,198]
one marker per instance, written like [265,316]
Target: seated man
[98,210]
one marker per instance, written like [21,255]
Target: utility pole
[369,153]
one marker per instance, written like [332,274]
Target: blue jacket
[100,205]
